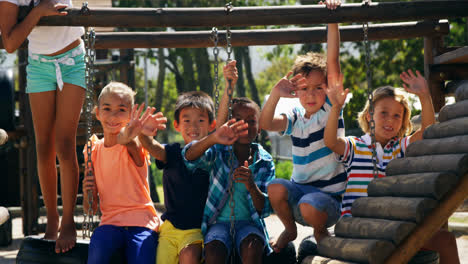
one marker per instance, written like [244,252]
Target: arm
[244,175]
[284,88]
[13,33]
[155,148]
[230,75]
[226,134]
[337,97]
[416,84]
[333,50]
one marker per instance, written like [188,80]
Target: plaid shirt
[216,161]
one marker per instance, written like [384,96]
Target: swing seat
[35,250]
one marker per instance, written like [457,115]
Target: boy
[185,191]
[313,195]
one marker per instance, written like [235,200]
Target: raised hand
[153,124]
[230,73]
[415,84]
[335,91]
[244,175]
[288,87]
[51,8]
[331,4]
[135,125]
[228,133]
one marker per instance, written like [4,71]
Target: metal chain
[365,27]
[214,37]
[90,37]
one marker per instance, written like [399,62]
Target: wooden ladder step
[459,55]
[436,146]
[455,163]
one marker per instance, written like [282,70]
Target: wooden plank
[409,209]
[461,92]
[444,72]
[457,110]
[450,128]
[431,224]
[260,15]
[456,56]
[431,185]
[199,39]
[436,86]
[455,163]
[355,250]
[436,146]
[367,228]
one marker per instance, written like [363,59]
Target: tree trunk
[188,74]
[238,56]
[160,82]
[204,70]
[250,77]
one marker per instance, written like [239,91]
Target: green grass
[160,191]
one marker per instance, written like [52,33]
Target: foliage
[283,169]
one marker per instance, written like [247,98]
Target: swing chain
[370,95]
[215,39]
[228,9]
[89,39]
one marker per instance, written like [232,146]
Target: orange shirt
[123,188]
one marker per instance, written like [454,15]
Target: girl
[392,127]
[56,59]
[129,219]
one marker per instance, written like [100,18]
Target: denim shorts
[220,231]
[303,193]
[46,73]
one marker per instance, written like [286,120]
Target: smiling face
[313,96]
[250,115]
[113,112]
[194,124]
[388,117]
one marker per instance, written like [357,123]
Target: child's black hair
[196,99]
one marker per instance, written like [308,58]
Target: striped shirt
[314,163]
[357,159]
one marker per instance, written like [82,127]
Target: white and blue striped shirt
[314,163]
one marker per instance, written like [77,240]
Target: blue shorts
[221,231]
[46,73]
[138,244]
[303,193]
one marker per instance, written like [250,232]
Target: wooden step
[436,146]
[355,250]
[455,163]
[430,184]
[459,55]
[393,208]
[461,93]
[450,128]
[369,228]
[453,111]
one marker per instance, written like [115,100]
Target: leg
[43,114]
[191,254]
[141,245]
[445,244]
[215,252]
[105,241]
[319,210]
[251,249]
[278,194]
[167,251]
[69,103]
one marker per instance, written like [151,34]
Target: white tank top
[47,40]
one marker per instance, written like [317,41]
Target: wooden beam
[459,55]
[431,224]
[444,72]
[200,39]
[259,15]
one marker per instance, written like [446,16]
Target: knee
[277,192]
[215,249]
[65,147]
[313,216]
[252,247]
[191,254]
[44,147]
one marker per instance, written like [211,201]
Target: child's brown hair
[309,62]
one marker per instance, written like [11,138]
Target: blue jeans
[220,231]
[138,244]
[303,193]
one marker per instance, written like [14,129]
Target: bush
[283,169]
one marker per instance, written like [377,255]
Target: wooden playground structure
[441,159]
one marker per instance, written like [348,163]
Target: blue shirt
[216,161]
[185,191]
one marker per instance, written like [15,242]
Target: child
[56,58]
[129,219]
[253,169]
[392,125]
[313,194]
[185,191]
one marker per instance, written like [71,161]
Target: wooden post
[28,168]
[431,224]
[436,86]
[127,68]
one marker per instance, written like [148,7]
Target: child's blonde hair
[388,92]
[118,88]
[309,62]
